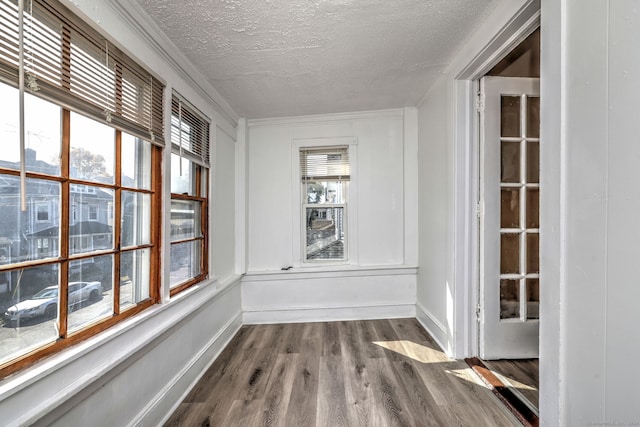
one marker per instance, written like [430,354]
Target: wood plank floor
[519,375]
[359,373]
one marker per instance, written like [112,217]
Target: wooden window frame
[150,130]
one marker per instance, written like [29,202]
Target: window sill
[103,354]
[328,271]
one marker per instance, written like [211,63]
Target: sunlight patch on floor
[414,351]
[467,374]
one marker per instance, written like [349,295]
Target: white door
[509,217]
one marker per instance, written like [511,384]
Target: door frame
[466,173]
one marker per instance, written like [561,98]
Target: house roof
[78,229]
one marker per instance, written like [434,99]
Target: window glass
[185,219]
[136,219]
[90,291]
[136,162]
[185,261]
[182,176]
[23,230]
[325,176]
[134,277]
[92,155]
[29,300]
[42,133]
[91,228]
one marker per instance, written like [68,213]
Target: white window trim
[298,231]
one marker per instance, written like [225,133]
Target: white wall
[593,91]
[223,236]
[138,370]
[434,279]
[381,211]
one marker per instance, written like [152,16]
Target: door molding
[466,238]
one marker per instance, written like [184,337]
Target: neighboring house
[33,234]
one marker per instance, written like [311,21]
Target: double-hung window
[325,183]
[189,195]
[81,128]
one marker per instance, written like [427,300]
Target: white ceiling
[275,58]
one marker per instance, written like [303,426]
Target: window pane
[42,133]
[509,299]
[185,261]
[185,219]
[326,191]
[509,162]
[510,208]
[533,162]
[91,210]
[325,233]
[32,234]
[533,298]
[136,218]
[533,208]
[533,117]
[134,277]
[90,291]
[509,253]
[510,116]
[29,301]
[136,162]
[92,150]
[182,179]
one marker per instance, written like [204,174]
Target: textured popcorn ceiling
[273,58]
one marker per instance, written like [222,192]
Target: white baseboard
[329,314]
[436,329]
[167,400]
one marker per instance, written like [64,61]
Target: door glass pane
[533,298]
[509,253]
[510,162]
[533,162]
[134,277]
[509,299]
[533,117]
[90,292]
[136,218]
[533,208]
[510,117]
[533,264]
[29,298]
[510,208]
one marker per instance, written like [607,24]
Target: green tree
[87,164]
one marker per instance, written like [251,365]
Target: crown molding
[141,23]
[358,115]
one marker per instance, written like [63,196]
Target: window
[189,195]
[42,212]
[325,182]
[92,140]
[93,213]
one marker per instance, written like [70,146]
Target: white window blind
[189,132]
[324,164]
[69,63]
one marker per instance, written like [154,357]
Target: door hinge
[478,308]
[479,208]
[480,102]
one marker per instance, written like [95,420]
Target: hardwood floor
[359,373]
[520,375]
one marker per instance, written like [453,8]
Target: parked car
[45,302]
